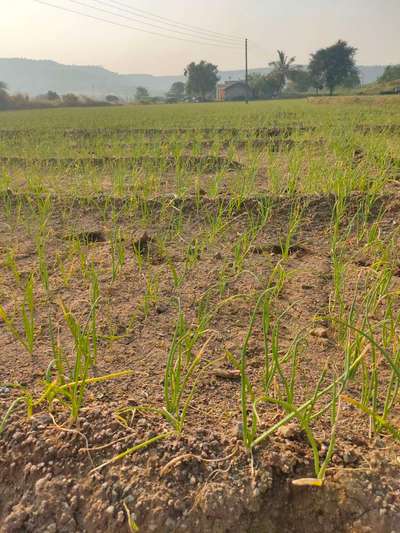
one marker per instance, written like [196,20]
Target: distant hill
[35,77]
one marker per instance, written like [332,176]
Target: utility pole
[247,70]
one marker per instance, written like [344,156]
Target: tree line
[50,99]
[201,82]
[328,69]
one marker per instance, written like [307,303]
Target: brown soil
[206,163]
[89,133]
[378,128]
[203,481]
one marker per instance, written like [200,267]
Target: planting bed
[201,348]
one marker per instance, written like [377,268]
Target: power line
[182,24]
[121,25]
[112,13]
[169,22]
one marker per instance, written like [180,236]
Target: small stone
[349,458]
[288,432]
[64,518]
[323,450]
[40,485]
[18,436]
[239,430]
[110,510]
[44,418]
[74,502]
[321,333]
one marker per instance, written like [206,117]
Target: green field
[204,298]
[317,138]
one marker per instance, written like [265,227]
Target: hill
[35,77]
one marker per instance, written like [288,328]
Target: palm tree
[283,67]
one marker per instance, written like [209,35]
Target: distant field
[199,317]
[208,115]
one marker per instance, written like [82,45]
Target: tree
[112,99]
[177,90]
[202,79]
[352,80]
[282,68]
[316,79]
[52,96]
[70,99]
[20,100]
[334,66]
[142,94]
[265,86]
[4,97]
[300,80]
[391,73]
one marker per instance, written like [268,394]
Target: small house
[233,90]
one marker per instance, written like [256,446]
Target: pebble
[64,518]
[323,450]
[110,510]
[288,432]
[18,436]
[40,485]
[74,503]
[322,333]
[239,430]
[349,457]
[42,420]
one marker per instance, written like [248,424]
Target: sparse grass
[211,190]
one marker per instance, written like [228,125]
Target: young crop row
[88,241]
[363,319]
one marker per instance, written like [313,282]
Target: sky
[36,31]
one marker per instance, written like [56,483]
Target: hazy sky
[29,29]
